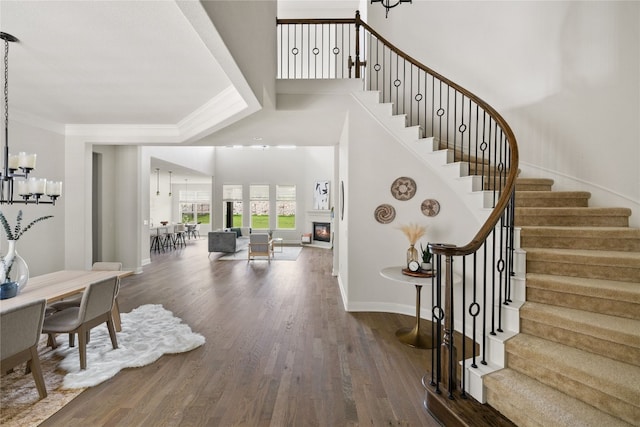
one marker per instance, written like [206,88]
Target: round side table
[410,336]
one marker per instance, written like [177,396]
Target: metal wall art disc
[430,207]
[403,188]
[385,214]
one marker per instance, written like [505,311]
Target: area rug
[147,333]
[289,253]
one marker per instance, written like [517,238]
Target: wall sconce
[170,183]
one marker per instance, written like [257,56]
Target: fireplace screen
[322,231]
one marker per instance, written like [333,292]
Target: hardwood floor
[280,351]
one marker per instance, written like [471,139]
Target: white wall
[128,204]
[107,217]
[121,205]
[374,160]
[564,74]
[246,28]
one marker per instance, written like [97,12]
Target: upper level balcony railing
[460,121]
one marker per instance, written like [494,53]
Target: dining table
[62,284]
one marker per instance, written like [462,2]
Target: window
[286,206]
[259,204]
[195,206]
[232,205]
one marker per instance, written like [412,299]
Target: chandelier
[14,176]
[389,4]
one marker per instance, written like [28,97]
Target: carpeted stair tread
[533,184]
[611,377]
[631,233]
[552,198]
[570,216]
[593,211]
[613,265]
[605,238]
[601,288]
[532,403]
[579,340]
[631,259]
[597,333]
[597,325]
[528,181]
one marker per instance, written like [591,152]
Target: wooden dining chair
[95,308]
[74,300]
[20,329]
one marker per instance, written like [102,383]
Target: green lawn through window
[262,221]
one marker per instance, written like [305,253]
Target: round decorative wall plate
[430,207]
[385,213]
[403,188]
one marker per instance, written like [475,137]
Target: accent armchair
[260,244]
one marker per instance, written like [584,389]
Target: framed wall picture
[321,195]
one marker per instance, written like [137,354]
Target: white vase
[426,266]
[19,271]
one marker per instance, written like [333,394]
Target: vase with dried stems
[413,232]
[13,269]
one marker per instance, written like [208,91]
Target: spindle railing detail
[459,121]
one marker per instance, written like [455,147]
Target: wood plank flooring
[280,351]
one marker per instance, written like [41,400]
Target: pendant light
[157,181]
[30,189]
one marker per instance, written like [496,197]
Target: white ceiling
[107,62]
[133,63]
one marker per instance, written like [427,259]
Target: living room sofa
[228,240]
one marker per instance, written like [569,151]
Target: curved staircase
[576,361]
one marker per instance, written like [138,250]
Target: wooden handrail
[505,192]
[499,145]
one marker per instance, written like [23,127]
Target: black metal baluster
[474,308]
[484,304]
[464,326]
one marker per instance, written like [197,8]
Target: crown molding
[36,121]
[205,119]
[132,134]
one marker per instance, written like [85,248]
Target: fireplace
[322,231]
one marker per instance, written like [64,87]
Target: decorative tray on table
[419,273]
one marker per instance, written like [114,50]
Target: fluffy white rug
[147,333]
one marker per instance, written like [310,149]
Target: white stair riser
[520,262]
